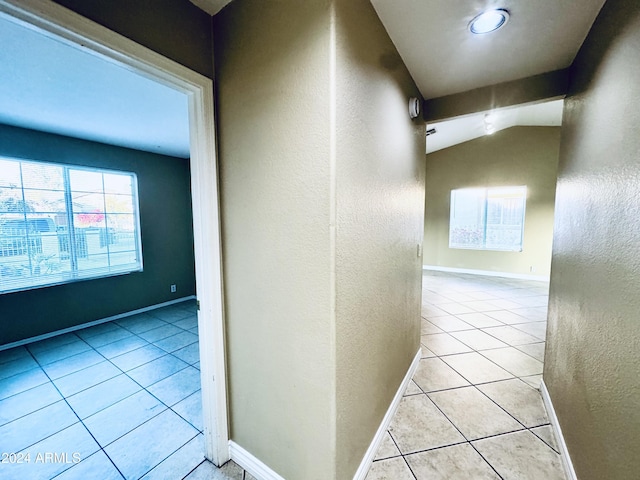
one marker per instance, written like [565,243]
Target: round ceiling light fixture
[489,21]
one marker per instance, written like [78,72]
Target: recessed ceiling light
[489,21]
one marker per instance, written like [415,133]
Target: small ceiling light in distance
[489,21]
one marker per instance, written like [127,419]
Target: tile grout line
[78,339]
[64,398]
[487,461]
[140,424]
[135,381]
[82,339]
[147,391]
[509,345]
[167,407]
[406,462]
[475,385]
[171,454]
[504,409]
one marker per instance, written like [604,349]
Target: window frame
[71,235]
[484,217]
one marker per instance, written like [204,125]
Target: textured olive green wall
[166,231]
[176,29]
[515,156]
[322,206]
[380,212]
[272,74]
[592,362]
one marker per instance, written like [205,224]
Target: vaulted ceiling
[444,57]
[432,37]
[462,129]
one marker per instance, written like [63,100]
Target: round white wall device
[414,107]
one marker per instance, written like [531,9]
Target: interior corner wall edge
[176,29]
[294,359]
[166,230]
[380,214]
[272,77]
[592,358]
[512,157]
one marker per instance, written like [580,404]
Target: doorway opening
[62,25]
[489,219]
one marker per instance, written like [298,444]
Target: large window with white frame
[487,218]
[63,223]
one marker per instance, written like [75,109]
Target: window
[487,218]
[62,223]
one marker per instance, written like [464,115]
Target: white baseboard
[564,453]
[251,463]
[365,465]
[488,273]
[262,472]
[95,322]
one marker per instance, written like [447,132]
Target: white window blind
[487,218]
[62,223]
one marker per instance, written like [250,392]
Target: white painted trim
[208,254]
[251,463]
[263,472]
[367,461]
[64,25]
[564,452]
[44,336]
[487,273]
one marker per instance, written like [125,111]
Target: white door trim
[56,21]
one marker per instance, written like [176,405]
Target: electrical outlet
[532,269]
[173,289]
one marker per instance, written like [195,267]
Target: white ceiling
[468,127]
[50,86]
[445,58]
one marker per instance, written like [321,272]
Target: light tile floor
[473,409]
[122,397]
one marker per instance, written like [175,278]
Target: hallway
[473,410]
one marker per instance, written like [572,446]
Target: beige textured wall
[592,362]
[515,156]
[380,207]
[272,73]
[322,206]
